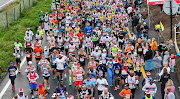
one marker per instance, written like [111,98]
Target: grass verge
[16,30]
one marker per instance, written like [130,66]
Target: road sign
[167,5]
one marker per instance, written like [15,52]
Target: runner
[12,74]
[82,56]
[110,64]
[28,50]
[126,92]
[17,53]
[52,58]
[20,95]
[60,67]
[45,69]
[117,73]
[42,92]
[32,77]
[132,81]
[38,52]
[106,95]
[93,64]
[151,86]
[84,93]
[78,74]
[124,74]
[138,63]
[61,91]
[101,84]
[148,96]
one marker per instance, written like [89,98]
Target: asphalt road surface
[22,82]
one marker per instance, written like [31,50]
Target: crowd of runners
[94,44]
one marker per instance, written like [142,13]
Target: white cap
[30,62]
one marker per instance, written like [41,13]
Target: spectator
[170,94]
[164,78]
[148,59]
[171,47]
[157,64]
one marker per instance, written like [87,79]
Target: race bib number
[90,19]
[79,76]
[37,54]
[100,72]
[46,72]
[127,96]
[27,55]
[138,68]
[33,80]
[139,49]
[124,72]
[81,59]
[117,71]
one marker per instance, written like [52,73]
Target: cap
[147,92]
[116,61]
[148,73]
[125,64]
[28,44]
[96,48]
[32,70]
[61,53]
[20,89]
[11,62]
[30,62]
[104,50]
[101,41]
[40,86]
[78,63]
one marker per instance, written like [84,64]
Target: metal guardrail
[175,38]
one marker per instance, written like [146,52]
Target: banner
[157,2]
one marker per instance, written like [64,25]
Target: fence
[7,17]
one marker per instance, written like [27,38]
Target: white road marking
[9,82]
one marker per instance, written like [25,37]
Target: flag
[162,27]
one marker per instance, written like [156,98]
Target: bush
[16,30]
